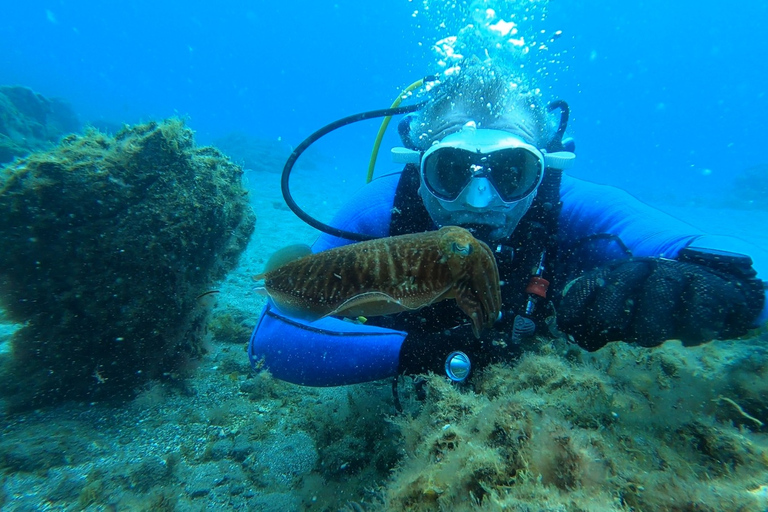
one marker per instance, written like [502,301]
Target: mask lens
[447,171]
[514,172]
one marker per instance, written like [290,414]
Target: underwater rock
[258,154]
[31,122]
[750,187]
[108,243]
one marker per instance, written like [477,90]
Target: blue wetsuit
[333,352]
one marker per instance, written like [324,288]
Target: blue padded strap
[327,352]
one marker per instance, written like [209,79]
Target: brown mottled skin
[390,275]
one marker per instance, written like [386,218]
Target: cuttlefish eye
[461,250]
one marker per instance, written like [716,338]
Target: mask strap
[556,142]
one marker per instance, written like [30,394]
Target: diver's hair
[484,93]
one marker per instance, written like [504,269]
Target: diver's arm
[326,352]
[590,209]
[369,211]
[734,244]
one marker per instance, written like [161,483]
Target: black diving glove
[650,300]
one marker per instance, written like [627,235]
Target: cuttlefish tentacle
[476,279]
[391,275]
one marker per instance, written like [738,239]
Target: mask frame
[487,154]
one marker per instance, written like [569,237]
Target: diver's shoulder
[386,181]
[580,186]
[568,181]
[382,188]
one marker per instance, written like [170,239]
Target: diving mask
[512,167]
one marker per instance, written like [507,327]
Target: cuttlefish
[388,275]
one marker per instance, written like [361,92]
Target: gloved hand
[649,300]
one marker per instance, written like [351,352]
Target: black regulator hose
[325,228]
[555,144]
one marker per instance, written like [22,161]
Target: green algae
[108,241]
[622,429]
[228,328]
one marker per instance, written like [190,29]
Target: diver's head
[483,179]
[481,165]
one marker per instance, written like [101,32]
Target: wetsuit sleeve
[330,351]
[326,352]
[590,209]
[369,211]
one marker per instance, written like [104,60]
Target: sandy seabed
[671,428]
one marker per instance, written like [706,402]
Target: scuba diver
[584,259]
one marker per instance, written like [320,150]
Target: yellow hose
[383,127]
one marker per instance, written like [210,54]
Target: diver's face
[480,177]
[487,224]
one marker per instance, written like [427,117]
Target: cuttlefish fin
[379,303]
[369,304]
[289,306]
[284,256]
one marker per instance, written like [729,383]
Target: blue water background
[668,98]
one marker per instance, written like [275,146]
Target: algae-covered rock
[31,122]
[625,428]
[107,244]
